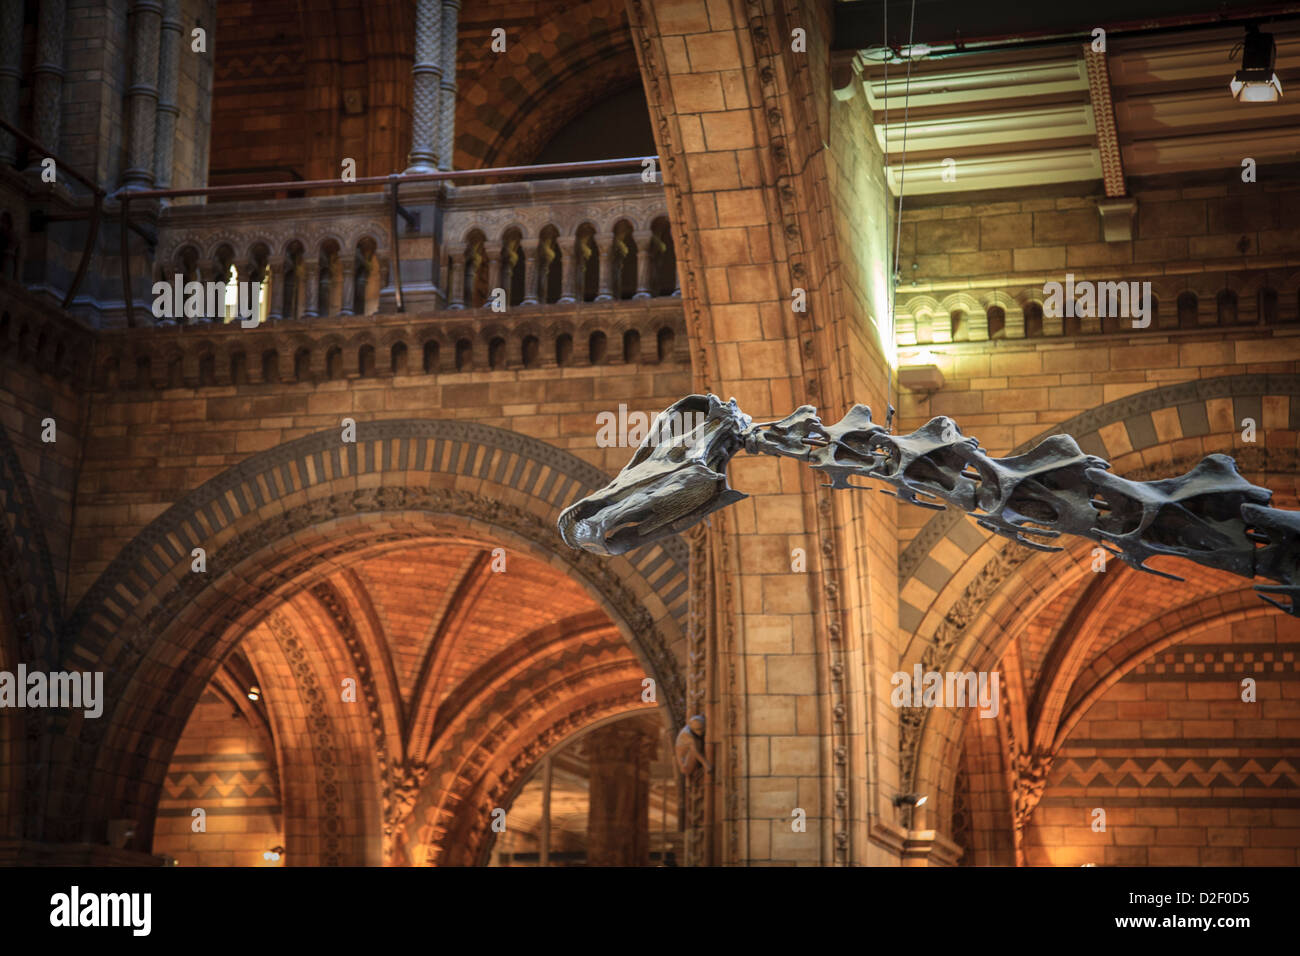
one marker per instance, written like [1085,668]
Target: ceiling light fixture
[1256,82]
[254,692]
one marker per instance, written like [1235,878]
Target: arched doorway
[289,534]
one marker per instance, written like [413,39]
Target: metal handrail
[446,175]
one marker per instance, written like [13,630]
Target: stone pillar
[447,85]
[529,254]
[325,286]
[202,120]
[426,81]
[47,83]
[569,269]
[280,275]
[608,264]
[311,290]
[11,57]
[501,256]
[142,96]
[349,269]
[643,259]
[618,815]
[478,260]
[205,271]
[548,250]
[169,53]
[457,277]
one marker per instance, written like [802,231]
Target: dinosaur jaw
[675,480]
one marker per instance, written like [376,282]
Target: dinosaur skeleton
[1211,515]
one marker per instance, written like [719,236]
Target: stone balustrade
[594,239]
[497,247]
[310,257]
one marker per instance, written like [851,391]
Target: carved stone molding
[400,778]
[325,749]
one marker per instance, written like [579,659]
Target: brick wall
[26,400]
[222,766]
[1187,773]
[148,447]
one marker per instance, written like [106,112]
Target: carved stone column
[325,285]
[569,269]
[169,51]
[311,290]
[246,277]
[644,280]
[160,274]
[457,277]
[348,300]
[205,271]
[142,96]
[447,85]
[47,83]
[280,275]
[608,266]
[477,260]
[200,122]
[529,254]
[499,254]
[426,81]
[618,815]
[11,56]
[492,259]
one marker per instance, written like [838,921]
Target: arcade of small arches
[640,338]
[997,314]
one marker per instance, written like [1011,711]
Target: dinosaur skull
[673,481]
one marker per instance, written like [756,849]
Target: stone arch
[554,73]
[498,731]
[30,619]
[1012,314]
[323,757]
[973,573]
[158,631]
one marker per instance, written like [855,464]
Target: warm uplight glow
[911,357]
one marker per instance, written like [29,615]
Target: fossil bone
[1211,515]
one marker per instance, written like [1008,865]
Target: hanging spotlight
[273,853]
[254,692]
[910,800]
[1256,82]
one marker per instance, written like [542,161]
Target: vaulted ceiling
[463,655]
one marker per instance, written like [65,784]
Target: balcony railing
[496,247]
